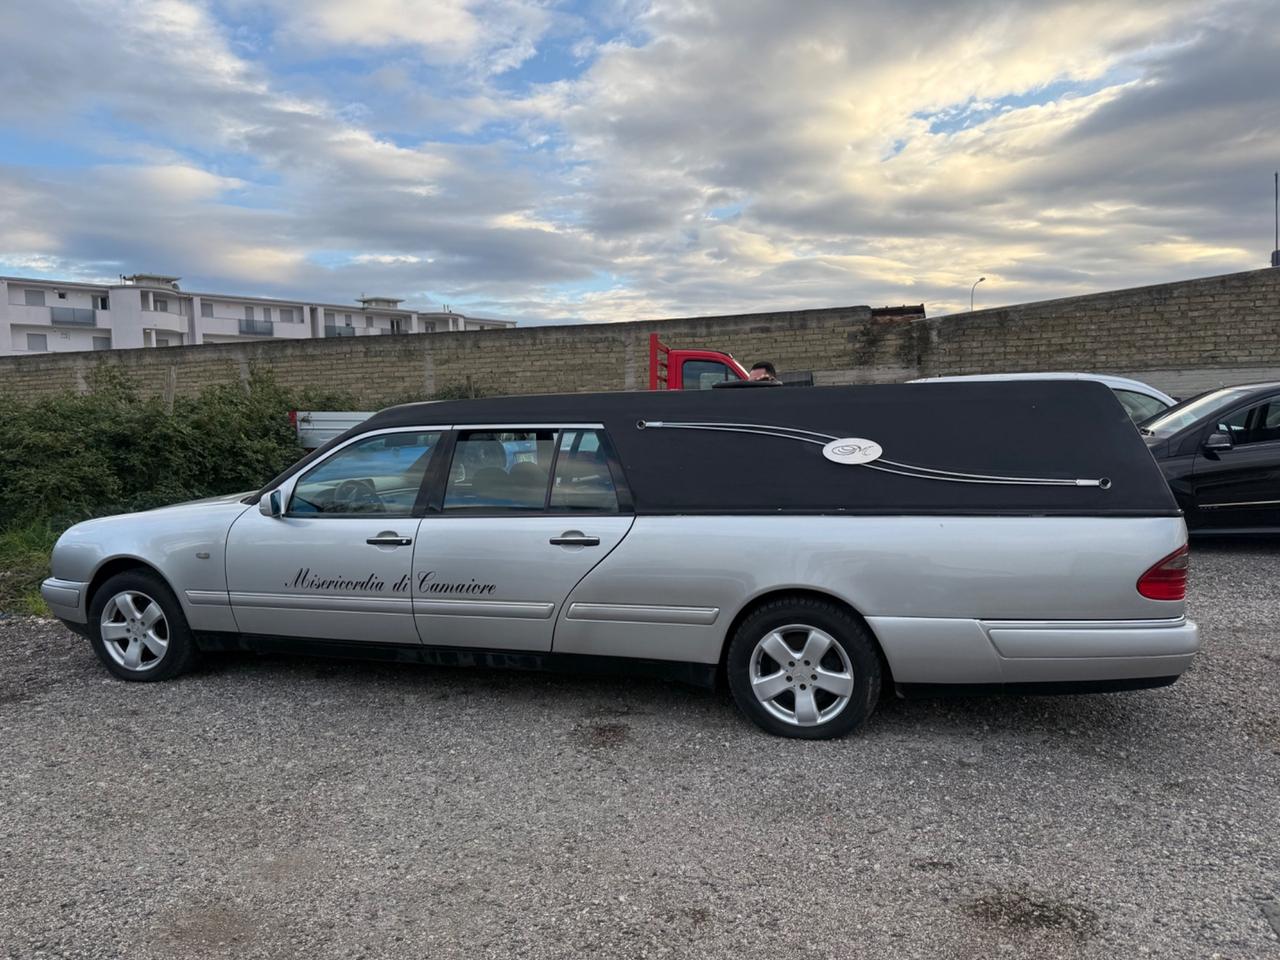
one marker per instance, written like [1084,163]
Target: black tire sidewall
[847,631]
[181,652]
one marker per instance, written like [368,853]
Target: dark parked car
[1220,452]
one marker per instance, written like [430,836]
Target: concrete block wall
[1182,337]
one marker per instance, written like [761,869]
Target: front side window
[704,374]
[1184,414]
[582,480]
[1257,424]
[500,470]
[1139,406]
[377,475]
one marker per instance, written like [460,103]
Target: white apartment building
[147,310]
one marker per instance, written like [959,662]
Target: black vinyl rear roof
[1046,429]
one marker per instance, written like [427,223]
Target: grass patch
[24,562]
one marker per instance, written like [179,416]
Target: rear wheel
[804,667]
[138,630]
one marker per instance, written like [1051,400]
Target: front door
[1240,487]
[337,565]
[526,515]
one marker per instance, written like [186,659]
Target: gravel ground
[293,807]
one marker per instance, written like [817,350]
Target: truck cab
[671,369]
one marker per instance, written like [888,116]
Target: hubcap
[801,675]
[135,632]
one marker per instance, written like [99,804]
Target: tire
[847,669]
[133,640]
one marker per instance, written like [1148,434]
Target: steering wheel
[357,496]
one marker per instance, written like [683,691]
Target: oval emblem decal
[852,450]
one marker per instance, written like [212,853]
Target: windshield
[1189,411]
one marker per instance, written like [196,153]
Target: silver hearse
[812,546]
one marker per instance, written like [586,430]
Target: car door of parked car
[1240,486]
[526,513]
[336,565]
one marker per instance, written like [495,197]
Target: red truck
[668,370]
[689,369]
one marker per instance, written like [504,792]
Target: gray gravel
[293,807]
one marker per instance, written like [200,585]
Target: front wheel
[138,630]
[804,667]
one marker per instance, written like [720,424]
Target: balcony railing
[257,328]
[333,330]
[73,316]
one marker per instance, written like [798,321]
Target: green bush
[73,456]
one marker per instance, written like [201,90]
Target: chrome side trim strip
[500,609]
[642,613]
[1241,503]
[212,598]
[1167,622]
[303,601]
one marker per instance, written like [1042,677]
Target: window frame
[626,504]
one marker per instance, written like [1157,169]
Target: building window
[162,341]
[368,323]
[429,326]
[102,343]
[161,304]
[330,317]
[34,298]
[101,303]
[286,314]
[206,308]
[266,314]
[347,318]
[38,342]
[62,295]
[248,312]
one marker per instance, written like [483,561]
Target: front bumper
[66,599]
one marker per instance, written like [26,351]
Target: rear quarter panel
[973,568]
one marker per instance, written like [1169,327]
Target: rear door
[526,512]
[1240,487]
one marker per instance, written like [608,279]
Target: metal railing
[333,330]
[257,328]
[73,316]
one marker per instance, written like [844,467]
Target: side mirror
[1219,441]
[270,505]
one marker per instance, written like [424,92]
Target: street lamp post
[973,288]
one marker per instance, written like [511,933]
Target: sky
[570,161]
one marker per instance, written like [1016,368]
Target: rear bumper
[945,651]
[66,599]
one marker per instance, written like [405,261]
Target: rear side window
[500,470]
[377,475]
[1139,406]
[582,480]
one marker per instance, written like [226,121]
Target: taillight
[1167,580]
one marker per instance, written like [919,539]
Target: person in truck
[763,370]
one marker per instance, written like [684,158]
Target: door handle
[575,538]
[389,540]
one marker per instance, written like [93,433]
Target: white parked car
[1140,400]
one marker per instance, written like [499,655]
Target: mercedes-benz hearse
[814,547]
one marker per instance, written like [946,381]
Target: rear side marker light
[1167,580]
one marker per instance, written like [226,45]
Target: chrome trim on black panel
[643,613]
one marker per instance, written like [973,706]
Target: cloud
[504,155]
